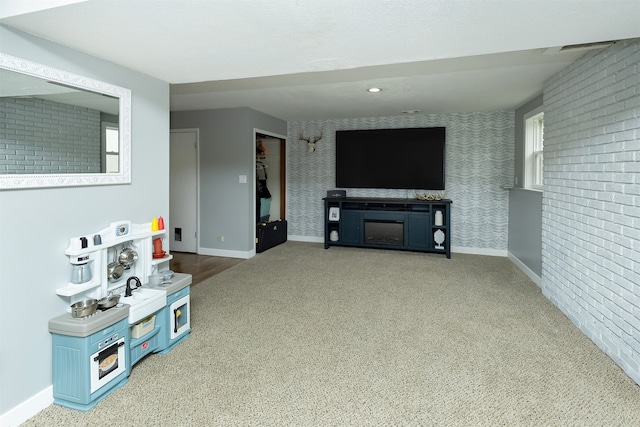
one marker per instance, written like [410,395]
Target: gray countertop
[65,324]
[178,281]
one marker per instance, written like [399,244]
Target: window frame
[534,149]
[108,126]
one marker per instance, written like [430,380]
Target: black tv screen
[412,158]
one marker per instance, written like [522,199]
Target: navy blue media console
[404,224]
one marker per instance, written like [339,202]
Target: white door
[183,190]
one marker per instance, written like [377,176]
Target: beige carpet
[304,336]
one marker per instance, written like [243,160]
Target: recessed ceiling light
[374,89]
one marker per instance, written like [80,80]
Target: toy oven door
[107,364]
[179,311]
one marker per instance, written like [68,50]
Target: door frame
[282,178]
[197,132]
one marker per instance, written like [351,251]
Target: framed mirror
[59,129]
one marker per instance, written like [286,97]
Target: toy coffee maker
[157,248]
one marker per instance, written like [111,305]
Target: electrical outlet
[220,238]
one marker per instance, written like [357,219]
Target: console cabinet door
[350,231]
[418,232]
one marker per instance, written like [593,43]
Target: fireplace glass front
[377,232]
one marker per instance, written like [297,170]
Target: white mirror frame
[15,181]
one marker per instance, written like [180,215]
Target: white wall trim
[526,270]
[310,239]
[457,249]
[227,253]
[28,408]
[478,251]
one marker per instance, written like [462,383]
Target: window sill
[533,190]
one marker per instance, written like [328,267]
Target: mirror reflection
[48,127]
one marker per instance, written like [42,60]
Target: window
[534,146]
[111,148]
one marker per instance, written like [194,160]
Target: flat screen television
[407,158]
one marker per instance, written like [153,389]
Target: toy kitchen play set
[124,305]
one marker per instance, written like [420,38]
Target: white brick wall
[591,200]
[38,136]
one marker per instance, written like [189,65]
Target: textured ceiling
[314,59]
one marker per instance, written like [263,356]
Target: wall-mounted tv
[407,158]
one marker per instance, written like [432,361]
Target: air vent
[587,46]
[578,47]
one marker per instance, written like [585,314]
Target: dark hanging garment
[262,193]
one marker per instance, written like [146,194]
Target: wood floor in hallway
[201,267]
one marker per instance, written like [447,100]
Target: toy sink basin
[144,302]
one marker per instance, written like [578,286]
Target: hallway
[201,267]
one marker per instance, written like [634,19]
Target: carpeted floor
[304,336]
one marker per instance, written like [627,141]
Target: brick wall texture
[591,199]
[40,136]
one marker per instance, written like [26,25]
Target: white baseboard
[315,239]
[478,251]
[227,253]
[310,239]
[526,270]
[458,249]
[28,408]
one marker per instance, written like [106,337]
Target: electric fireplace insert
[380,232]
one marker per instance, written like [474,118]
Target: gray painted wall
[525,228]
[525,206]
[479,163]
[36,224]
[591,200]
[227,151]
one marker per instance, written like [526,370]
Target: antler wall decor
[311,141]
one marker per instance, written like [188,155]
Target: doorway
[183,190]
[270,171]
